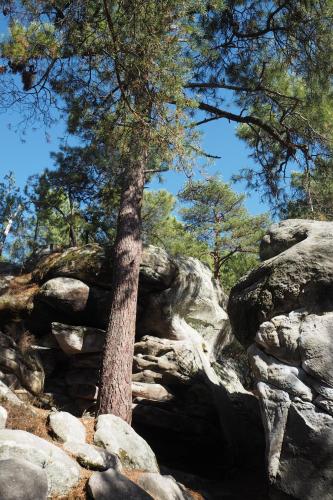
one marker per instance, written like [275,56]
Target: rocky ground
[207,394]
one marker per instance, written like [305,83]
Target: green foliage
[271,63]
[161,228]
[136,80]
[216,216]
[75,203]
[312,194]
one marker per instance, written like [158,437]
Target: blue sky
[30,154]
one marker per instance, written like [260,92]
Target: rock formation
[284,312]
[182,329]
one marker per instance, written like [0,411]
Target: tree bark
[72,234]
[115,392]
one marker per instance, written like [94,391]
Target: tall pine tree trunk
[115,392]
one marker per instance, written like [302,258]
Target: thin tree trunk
[115,392]
[8,229]
[72,234]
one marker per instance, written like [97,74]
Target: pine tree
[216,215]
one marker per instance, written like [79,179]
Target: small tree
[161,228]
[216,216]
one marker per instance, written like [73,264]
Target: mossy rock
[90,264]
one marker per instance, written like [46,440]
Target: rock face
[182,329]
[284,311]
[25,366]
[21,479]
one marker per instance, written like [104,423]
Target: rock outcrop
[284,311]
[182,329]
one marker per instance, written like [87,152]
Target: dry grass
[22,419]
[89,424]
[80,490]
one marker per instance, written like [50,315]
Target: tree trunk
[115,392]
[8,229]
[72,234]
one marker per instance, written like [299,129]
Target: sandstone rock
[306,461]
[112,484]
[300,276]
[325,404]
[20,479]
[292,355]
[268,369]
[163,487]
[25,366]
[93,457]
[117,436]
[153,392]
[274,405]
[82,263]
[3,417]
[62,472]
[10,380]
[316,346]
[65,294]
[175,361]
[182,293]
[280,337]
[78,339]
[8,395]
[192,301]
[67,427]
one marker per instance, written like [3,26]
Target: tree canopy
[216,215]
[137,78]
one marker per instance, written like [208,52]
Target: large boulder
[66,294]
[284,311]
[175,293]
[78,339]
[163,487]
[21,479]
[62,472]
[297,273]
[112,484]
[66,427]
[115,435]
